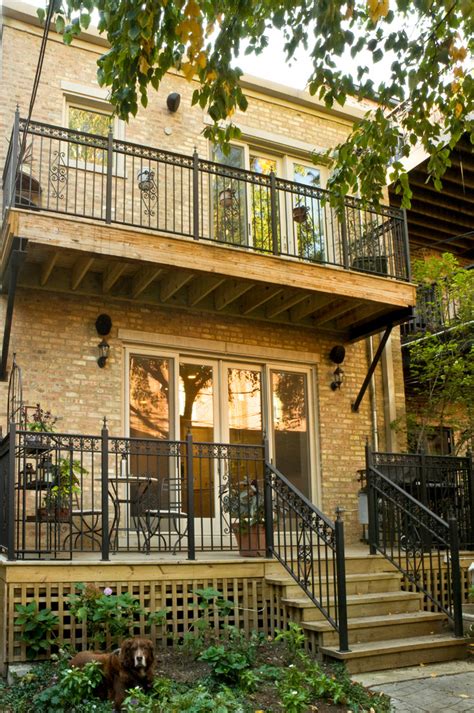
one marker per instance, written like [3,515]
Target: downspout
[373,396]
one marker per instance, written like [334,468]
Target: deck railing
[67,496]
[443,484]
[91,176]
[415,539]
[436,310]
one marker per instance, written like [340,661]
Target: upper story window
[90,121]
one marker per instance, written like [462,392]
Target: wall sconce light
[173,101]
[103,353]
[103,325]
[337,355]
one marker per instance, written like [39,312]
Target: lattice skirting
[437,581]
[156,587]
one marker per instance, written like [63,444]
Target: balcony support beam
[372,367]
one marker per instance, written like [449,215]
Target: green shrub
[37,626]
[109,617]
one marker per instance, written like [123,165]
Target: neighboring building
[439,222]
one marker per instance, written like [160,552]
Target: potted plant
[300,212]
[367,250]
[56,505]
[41,422]
[243,501]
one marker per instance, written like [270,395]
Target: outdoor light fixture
[338,378]
[337,355]
[103,353]
[172,101]
[103,325]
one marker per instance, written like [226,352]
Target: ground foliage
[428,42]
[275,680]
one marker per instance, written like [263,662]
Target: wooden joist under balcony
[83,257]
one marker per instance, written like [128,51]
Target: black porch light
[337,356]
[104,349]
[103,325]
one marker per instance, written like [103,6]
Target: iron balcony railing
[415,539]
[436,310]
[69,496]
[91,176]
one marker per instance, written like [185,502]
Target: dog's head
[137,655]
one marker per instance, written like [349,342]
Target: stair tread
[361,622]
[304,602]
[358,577]
[393,645]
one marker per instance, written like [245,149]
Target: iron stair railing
[309,546]
[416,541]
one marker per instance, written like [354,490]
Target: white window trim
[77,98]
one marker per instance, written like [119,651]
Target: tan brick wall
[77,64]
[55,340]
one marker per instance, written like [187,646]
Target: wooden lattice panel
[154,587]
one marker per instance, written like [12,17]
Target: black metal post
[345,244]
[341,582]
[456,576]
[195,195]
[14,167]
[108,186]
[470,481]
[14,267]
[406,246]
[371,501]
[190,497]
[11,492]
[274,213]
[267,501]
[105,491]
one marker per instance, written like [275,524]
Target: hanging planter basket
[226,198]
[300,213]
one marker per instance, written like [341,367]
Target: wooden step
[355,564]
[355,583]
[360,605]
[383,628]
[398,653]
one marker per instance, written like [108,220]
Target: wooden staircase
[387,626]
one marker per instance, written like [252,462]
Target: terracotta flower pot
[251,541]
[59,514]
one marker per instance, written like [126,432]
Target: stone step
[398,653]
[355,583]
[358,605]
[383,628]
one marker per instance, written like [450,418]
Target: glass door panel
[244,391]
[229,199]
[196,415]
[308,215]
[261,204]
[150,398]
[291,443]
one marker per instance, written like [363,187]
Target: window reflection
[290,426]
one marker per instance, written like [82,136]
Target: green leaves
[37,627]
[204,40]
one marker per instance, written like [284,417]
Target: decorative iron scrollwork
[58,174]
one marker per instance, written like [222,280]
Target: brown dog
[129,666]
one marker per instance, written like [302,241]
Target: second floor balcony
[326,259]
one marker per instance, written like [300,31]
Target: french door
[216,401]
